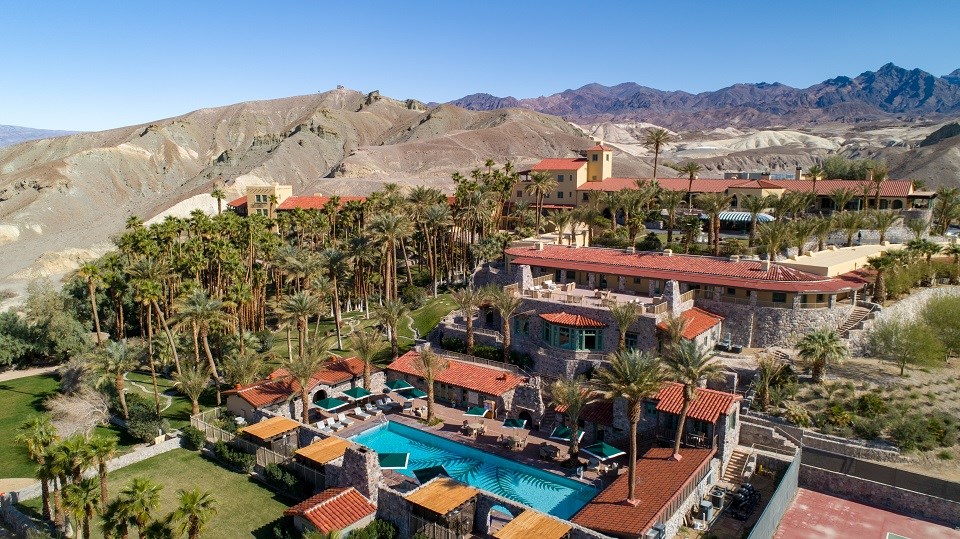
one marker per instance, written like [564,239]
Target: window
[586,197]
[603,281]
[559,194]
[779,297]
[594,177]
[572,338]
[521,325]
[559,177]
[519,194]
[732,420]
[633,341]
[650,408]
[731,291]
[819,298]
[636,280]
[595,157]
[571,274]
[607,157]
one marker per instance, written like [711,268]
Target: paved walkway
[13,375]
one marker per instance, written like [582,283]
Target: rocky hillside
[13,134]
[889,93]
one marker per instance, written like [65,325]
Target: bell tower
[599,163]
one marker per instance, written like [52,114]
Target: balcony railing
[696,440]
[814,305]
[689,295]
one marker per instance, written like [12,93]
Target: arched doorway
[319,396]
[498,517]
[525,415]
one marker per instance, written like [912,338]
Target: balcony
[570,294]
[698,440]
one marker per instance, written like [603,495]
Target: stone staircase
[735,466]
[859,314]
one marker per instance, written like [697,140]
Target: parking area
[813,514]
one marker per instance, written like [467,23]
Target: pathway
[149,391]
[13,375]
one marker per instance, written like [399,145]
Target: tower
[599,163]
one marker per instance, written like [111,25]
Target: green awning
[329,404]
[396,385]
[563,434]
[515,423]
[425,474]
[477,411]
[413,393]
[356,393]
[602,451]
[393,461]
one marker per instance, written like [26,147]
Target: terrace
[544,289]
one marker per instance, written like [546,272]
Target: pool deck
[450,429]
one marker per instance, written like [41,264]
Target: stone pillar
[621,283]
[831,300]
[361,469]
[796,301]
[853,298]
[591,280]
[753,317]
[671,293]
[524,277]
[651,289]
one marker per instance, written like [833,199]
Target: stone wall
[766,430]
[528,397]
[393,507]
[486,501]
[676,520]
[728,438]
[908,308]
[361,469]
[895,499]
[774,326]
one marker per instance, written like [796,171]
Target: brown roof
[333,509]
[598,413]
[659,479]
[471,376]
[531,523]
[269,428]
[325,450]
[698,321]
[708,405]
[600,148]
[237,203]
[560,164]
[442,495]
[573,320]
[279,386]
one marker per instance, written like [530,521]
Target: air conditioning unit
[658,531]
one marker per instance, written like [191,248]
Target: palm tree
[81,498]
[755,205]
[633,376]
[37,435]
[141,497]
[104,448]
[388,230]
[300,307]
[850,222]
[880,264]
[691,169]
[571,395]
[112,365]
[336,262]
[824,226]
[468,301]
[882,221]
[624,315]
[841,197]
[688,364]
[191,382]
[774,237]
[390,314]
[656,138]
[90,272]
[204,314]
[507,304]
[713,204]
[821,348]
[304,367]
[428,365]
[160,529]
[670,201]
[800,232]
[243,367]
[367,344]
[560,219]
[675,325]
[194,511]
[541,184]
[219,194]
[117,519]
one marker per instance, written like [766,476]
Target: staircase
[856,316]
[735,466]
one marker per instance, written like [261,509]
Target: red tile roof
[278,386]
[598,413]
[471,376]
[659,479]
[560,164]
[698,321]
[237,203]
[333,509]
[670,184]
[747,274]
[757,184]
[889,188]
[572,320]
[313,202]
[707,406]
[600,148]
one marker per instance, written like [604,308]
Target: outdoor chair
[385,404]
[371,409]
[360,414]
[334,424]
[344,420]
[324,428]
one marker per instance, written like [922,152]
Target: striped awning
[741,217]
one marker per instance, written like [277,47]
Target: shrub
[492,353]
[945,455]
[868,428]
[797,415]
[911,433]
[282,480]
[838,416]
[413,296]
[267,340]
[650,242]
[144,423]
[233,458]
[192,438]
[871,405]
[378,529]
[453,344]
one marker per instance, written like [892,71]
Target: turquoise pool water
[544,491]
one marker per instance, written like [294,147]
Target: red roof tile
[598,413]
[560,164]
[572,320]
[889,188]
[278,386]
[707,406]
[698,321]
[333,509]
[670,184]
[757,184]
[659,479]
[313,202]
[237,203]
[747,274]
[471,376]
[600,148]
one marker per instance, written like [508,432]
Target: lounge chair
[344,420]
[360,414]
[334,424]
[385,404]
[324,428]
[371,409]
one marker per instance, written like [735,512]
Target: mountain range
[13,134]
[890,93]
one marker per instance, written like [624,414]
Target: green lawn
[245,508]
[20,399]
[178,413]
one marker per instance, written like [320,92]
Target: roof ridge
[336,496]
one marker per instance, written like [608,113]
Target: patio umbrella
[602,451]
[413,393]
[397,385]
[356,393]
[477,411]
[515,423]
[563,434]
[329,404]
[426,474]
[393,461]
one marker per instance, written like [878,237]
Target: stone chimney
[798,173]
[361,469]
[668,252]
[765,175]
[734,258]
[869,174]
[631,249]
[766,263]
[539,245]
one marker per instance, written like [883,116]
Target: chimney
[869,174]
[766,263]
[798,173]
[765,175]
[631,249]
[539,245]
[734,258]
[668,252]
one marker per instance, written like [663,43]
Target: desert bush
[145,423]
[378,529]
[193,438]
[234,458]
[868,428]
[453,344]
[267,340]
[871,405]
[797,415]
[413,296]
[282,480]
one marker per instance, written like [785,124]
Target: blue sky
[102,64]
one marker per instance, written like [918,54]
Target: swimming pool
[544,491]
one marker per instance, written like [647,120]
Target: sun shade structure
[531,523]
[324,451]
[563,434]
[393,461]
[515,423]
[329,404]
[413,393]
[744,217]
[271,428]
[602,451]
[442,495]
[477,411]
[425,474]
[397,385]
[356,393]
